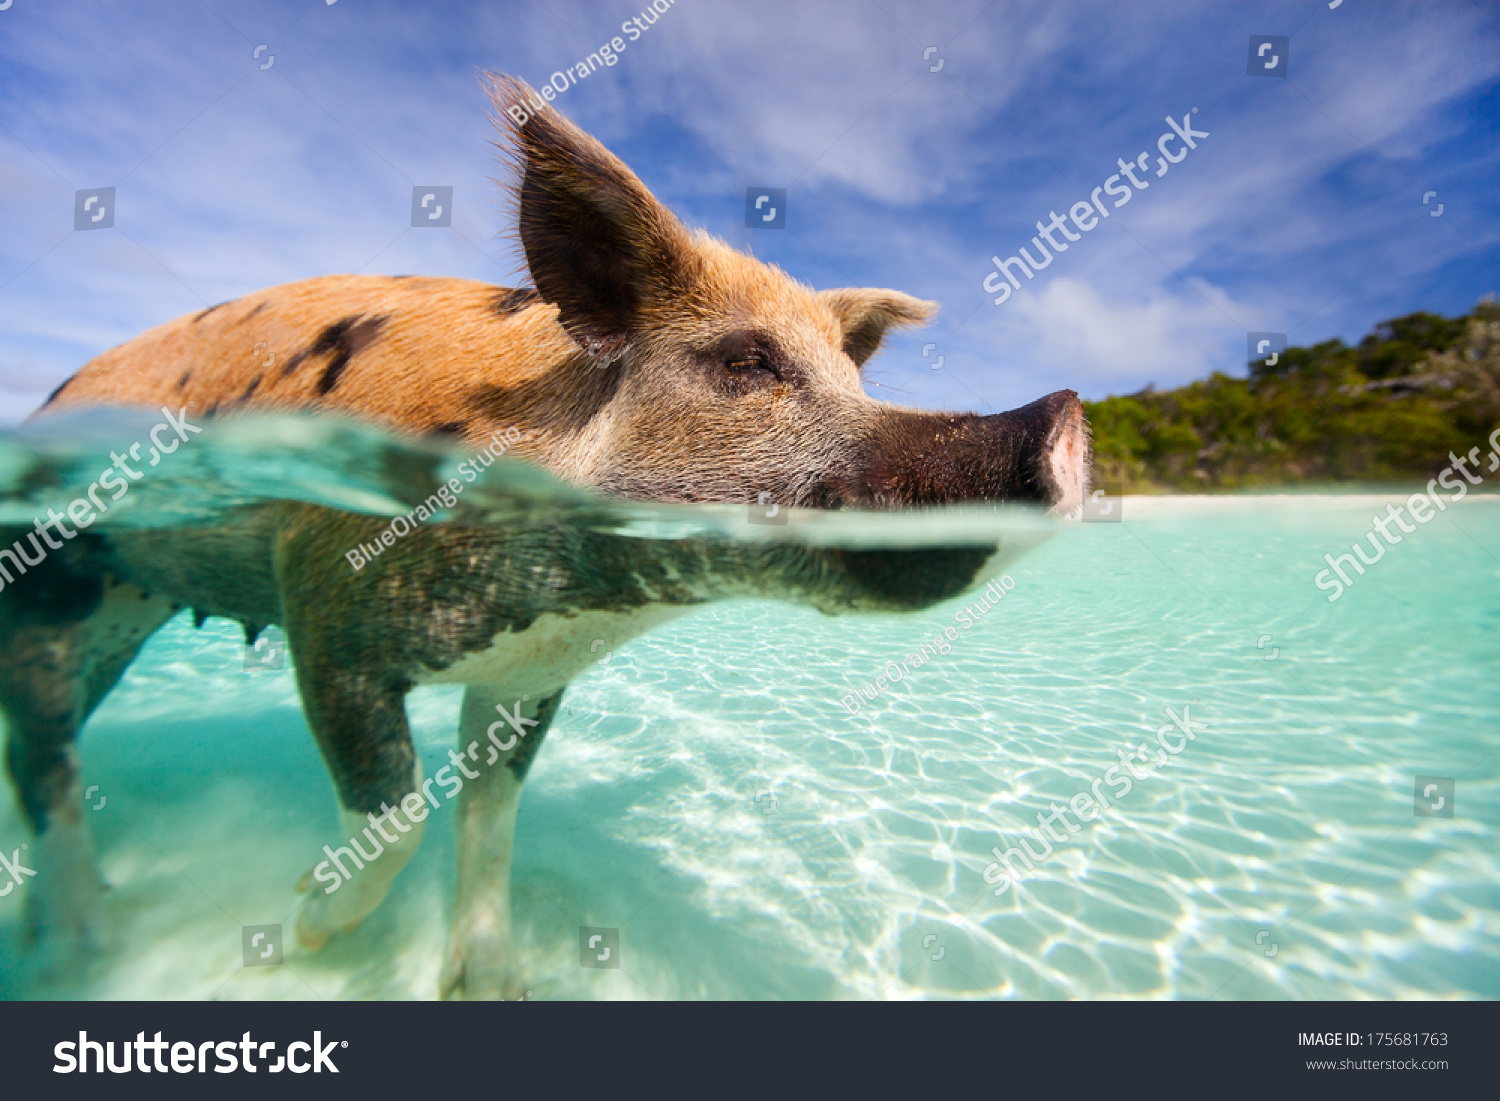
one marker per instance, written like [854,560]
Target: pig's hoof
[479,968]
[322,915]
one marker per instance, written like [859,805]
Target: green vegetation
[1388,410]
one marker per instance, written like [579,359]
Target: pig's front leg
[481,960]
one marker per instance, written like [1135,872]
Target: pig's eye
[752,365]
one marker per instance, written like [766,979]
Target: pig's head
[712,376]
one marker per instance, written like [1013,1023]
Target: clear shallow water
[1277,856]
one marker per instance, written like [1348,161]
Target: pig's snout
[1039,452]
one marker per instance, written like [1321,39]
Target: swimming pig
[646,361]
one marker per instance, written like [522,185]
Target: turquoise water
[706,793]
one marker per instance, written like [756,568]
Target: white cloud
[1067,326]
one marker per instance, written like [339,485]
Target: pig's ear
[598,244]
[865,315]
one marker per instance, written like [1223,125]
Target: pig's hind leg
[481,961]
[67,634]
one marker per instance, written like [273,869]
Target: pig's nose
[1062,446]
[1039,452]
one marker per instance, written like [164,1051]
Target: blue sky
[1300,213]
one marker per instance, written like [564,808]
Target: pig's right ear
[598,244]
[866,315]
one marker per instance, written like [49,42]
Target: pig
[644,361]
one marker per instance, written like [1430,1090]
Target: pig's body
[419,355]
[648,363]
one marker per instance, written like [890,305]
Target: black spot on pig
[60,388]
[64,587]
[341,342]
[201,314]
[344,340]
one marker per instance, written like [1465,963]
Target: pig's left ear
[598,244]
[866,314]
